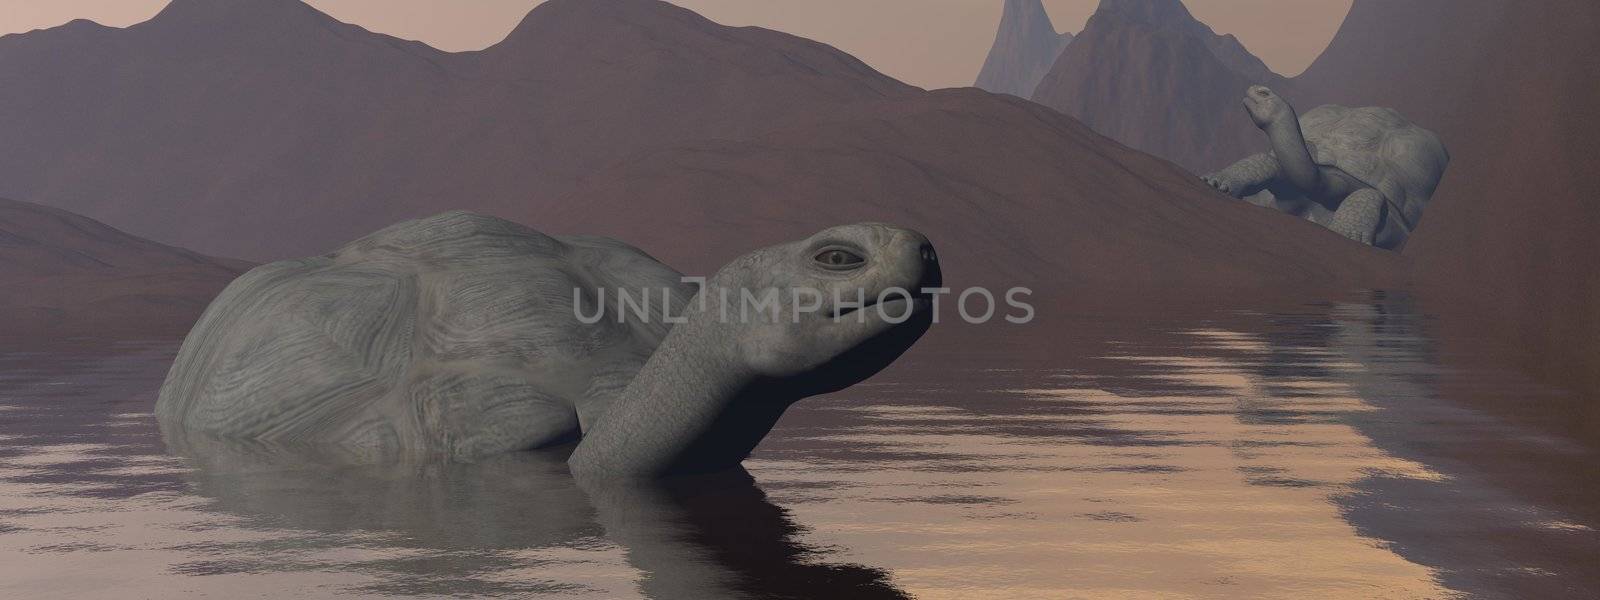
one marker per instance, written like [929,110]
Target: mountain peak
[1155,12]
[1188,115]
[1025,46]
[594,40]
[552,16]
[235,13]
[1173,17]
[1026,11]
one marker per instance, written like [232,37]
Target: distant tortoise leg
[477,414]
[1359,216]
[1245,177]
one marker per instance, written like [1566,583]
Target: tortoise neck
[1289,144]
[694,407]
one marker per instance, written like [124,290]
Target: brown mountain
[1508,245]
[1147,74]
[64,273]
[287,132]
[1025,46]
[632,118]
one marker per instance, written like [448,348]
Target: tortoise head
[827,311]
[1266,106]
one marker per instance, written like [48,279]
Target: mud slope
[61,273]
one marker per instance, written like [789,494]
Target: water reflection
[1311,451]
[95,501]
[502,526]
[1176,474]
[1515,503]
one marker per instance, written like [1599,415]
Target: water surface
[1323,451]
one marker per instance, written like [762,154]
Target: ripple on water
[1246,455]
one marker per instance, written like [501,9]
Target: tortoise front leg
[1245,177]
[1359,216]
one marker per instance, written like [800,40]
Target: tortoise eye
[837,259]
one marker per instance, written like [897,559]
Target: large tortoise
[467,335]
[1366,173]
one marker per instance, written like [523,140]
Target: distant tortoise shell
[1380,147]
[419,336]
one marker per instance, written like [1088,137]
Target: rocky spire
[1148,74]
[1024,48]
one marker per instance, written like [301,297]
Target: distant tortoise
[463,335]
[1365,173]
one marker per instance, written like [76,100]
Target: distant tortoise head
[1265,106]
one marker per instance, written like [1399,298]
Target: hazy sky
[931,43]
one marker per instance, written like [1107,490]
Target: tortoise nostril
[932,275]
